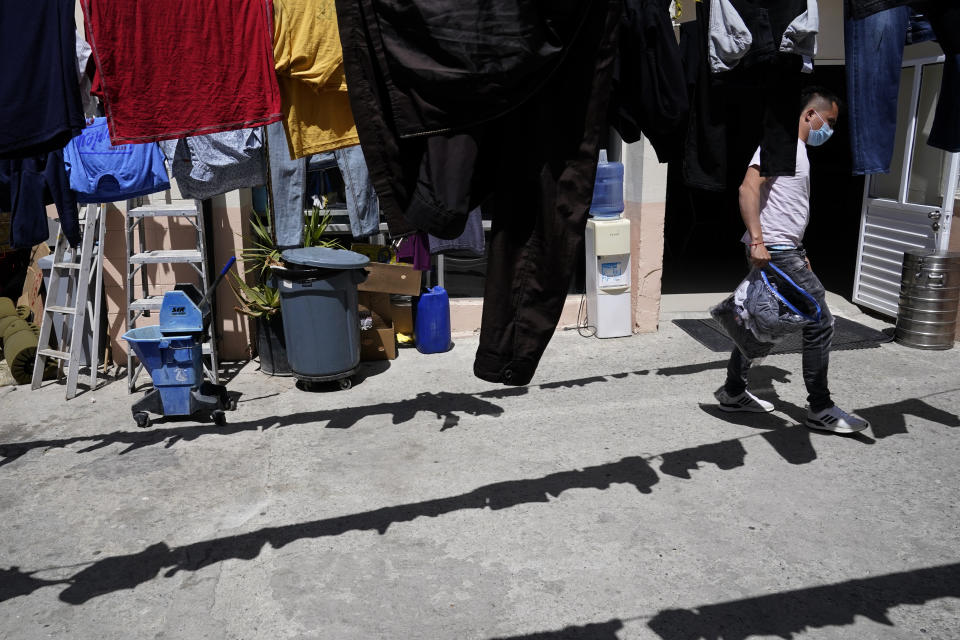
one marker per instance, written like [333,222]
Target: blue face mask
[818,136]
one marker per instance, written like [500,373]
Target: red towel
[178,68]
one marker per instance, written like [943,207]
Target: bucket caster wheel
[228,401]
[345,383]
[142,418]
[219,417]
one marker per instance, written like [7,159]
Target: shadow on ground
[792,442]
[446,407]
[116,573]
[781,615]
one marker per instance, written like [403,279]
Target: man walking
[775,212]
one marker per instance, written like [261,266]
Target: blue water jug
[607,189]
[431,330]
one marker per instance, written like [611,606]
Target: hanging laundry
[40,106]
[101,172]
[91,106]
[760,93]
[471,241]
[874,50]
[730,38]
[649,90]
[288,179]
[182,67]
[363,209]
[309,66]
[27,186]
[415,250]
[209,165]
[857,9]
[501,103]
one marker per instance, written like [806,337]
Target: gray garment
[288,178]
[729,39]
[208,165]
[471,240]
[800,36]
[90,103]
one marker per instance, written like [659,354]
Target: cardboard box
[391,278]
[402,315]
[380,342]
[376,252]
[31,286]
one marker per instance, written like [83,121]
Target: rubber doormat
[847,334]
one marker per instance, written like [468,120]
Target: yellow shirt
[313,86]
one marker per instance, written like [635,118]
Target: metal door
[912,206]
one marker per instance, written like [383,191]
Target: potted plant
[260,300]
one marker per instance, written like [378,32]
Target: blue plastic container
[431,329]
[174,362]
[607,189]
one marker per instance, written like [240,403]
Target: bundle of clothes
[763,310]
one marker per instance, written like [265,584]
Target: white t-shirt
[784,203]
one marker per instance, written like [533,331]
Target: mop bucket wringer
[172,353]
[174,363]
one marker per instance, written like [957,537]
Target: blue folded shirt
[101,172]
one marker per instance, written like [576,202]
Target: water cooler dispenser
[608,255]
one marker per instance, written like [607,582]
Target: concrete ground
[608,499]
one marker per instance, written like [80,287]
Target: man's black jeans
[817,338]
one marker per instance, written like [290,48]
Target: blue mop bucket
[173,362]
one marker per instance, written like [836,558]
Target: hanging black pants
[526,150]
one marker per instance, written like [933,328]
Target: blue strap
[800,289]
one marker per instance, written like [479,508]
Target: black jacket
[649,89]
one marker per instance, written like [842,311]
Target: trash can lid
[326,258]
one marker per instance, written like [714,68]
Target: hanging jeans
[817,338]
[874,52]
[288,179]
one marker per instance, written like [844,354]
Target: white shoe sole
[735,408]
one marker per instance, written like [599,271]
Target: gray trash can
[929,300]
[318,303]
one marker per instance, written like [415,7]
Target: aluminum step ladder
[70,281]
[139,256]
